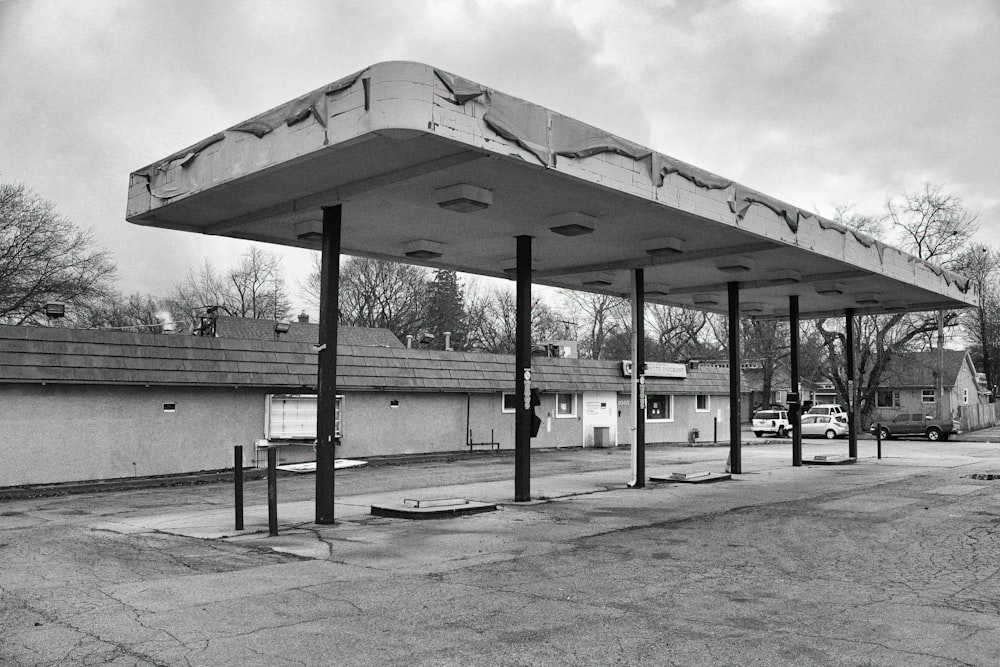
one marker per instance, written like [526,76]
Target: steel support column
[522,381]
[326,404]
[638,380]
[852,436]
[795,409]
[735,414]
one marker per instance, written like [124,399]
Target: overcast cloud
[817,102]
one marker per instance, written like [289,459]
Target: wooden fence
[975,417]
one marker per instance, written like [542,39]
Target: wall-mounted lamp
[55,310]
[572,223]
[394,403]
[423,249]
[464,198]
[740,264]
[667,246]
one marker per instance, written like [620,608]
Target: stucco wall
[60,433]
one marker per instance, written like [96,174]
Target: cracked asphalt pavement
[883,562]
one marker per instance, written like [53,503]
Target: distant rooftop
[302,332]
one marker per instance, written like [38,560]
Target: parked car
[771,421]
[829,409]
[917,423]
[823,426]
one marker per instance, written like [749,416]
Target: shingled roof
[919,369]
[301,332]
[75,356]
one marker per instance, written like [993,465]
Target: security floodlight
[55,310]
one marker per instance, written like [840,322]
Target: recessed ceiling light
[464,198]
[866,298]
[784,277]
[666,246]
[309,230]
[706,299]
[830,288]
[423,249]
[598,280]
[572,223]
[736,265]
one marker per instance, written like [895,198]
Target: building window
[659,407]
[565,405]
[927,396]
[293,417]
[509,404]
[965,396]
[886,398]
[701,403]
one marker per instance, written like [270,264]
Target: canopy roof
[437,170]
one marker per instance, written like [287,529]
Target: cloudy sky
[817,102]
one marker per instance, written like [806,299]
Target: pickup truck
[917,423]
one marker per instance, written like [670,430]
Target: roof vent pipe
[409,341]
[447,341]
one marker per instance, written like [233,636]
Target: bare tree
[602,317]
[934,225]
[254,287]
[377,293]
[114,310]
[44,258]
[981,264]
[679,333]
[492,319]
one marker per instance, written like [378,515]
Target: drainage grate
[984,475]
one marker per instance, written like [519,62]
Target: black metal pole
[326,402]
[795,408]
[639,331]
[852,435]
[522,381]
[735,413]
[238,484]
[878,438]
[272,491]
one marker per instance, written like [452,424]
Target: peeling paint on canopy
[383,139]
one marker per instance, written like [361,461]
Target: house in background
[85,404]
[912,382]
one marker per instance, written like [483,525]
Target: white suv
[771,421]
[831,409]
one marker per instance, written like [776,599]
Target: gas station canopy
[434,169]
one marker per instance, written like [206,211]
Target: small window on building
[965,396]
[660,407]
[927,396]
[701,403]
[887,398]
[509,404]
[565,405]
